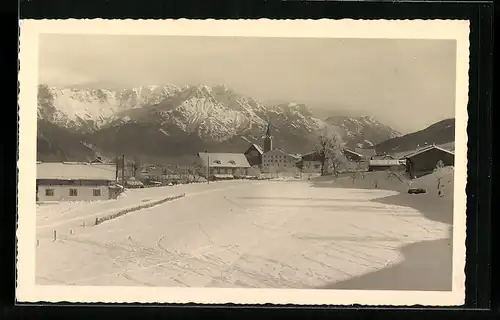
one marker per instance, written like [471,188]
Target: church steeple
[268,142]
[268,132]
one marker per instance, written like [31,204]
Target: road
[245,234]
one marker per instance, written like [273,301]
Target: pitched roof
[258,148]
[365,152]
[224,160]
[425,149]
[353,152]
[75,171]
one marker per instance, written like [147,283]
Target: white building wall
[278,161]
[62,193]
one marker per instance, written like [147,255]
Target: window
[217,161]
[49,192]
[232,162]
[73,192]
[96,192]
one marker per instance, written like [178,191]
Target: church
[269,159]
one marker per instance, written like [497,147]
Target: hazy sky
[407,84]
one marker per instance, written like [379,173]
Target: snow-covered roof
[224,160]
[365,152]
[311,156]
[258,148]
[425,149]
[353,152]
[75,171]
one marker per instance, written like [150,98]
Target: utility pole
[116,168]
[123,170]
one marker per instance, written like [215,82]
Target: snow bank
[435,204]
[120,213]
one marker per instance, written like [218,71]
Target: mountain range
[167,121]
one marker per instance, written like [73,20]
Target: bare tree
[329,151]
[136,165]
[194,170]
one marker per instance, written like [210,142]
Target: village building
[311,162]
[425,160]
[254,155]
[268,139]
[366,153]
[386,164]
[358,154]
[75,181]
[279,161]
[383,157]
[223,165]
[352,155]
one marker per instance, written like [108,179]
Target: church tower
[268,142]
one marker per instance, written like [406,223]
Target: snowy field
[272,234]
[73,215]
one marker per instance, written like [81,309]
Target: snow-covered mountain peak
[213,113]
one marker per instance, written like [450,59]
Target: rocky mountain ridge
[166,120]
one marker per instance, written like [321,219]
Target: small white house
[223,164]
[75,181]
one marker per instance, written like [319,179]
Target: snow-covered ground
[73,215]
[253,234]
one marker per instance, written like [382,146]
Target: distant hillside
[58,144]
[440,133]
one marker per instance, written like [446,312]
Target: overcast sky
[408,84]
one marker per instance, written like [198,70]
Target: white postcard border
[27,291]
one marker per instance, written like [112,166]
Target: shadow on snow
[427,265]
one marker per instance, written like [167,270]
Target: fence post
[55,235]
[37,242]
[70,231]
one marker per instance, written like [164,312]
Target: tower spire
[268,143]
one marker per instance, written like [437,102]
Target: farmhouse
[75,181]
[367,153]
[279,161]
[425,160]
[311,162]
[254,155]
[352,155]
[223,164]
[386,165]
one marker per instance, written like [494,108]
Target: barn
[425,160]
[254,155]
[224,164]
[75,181]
